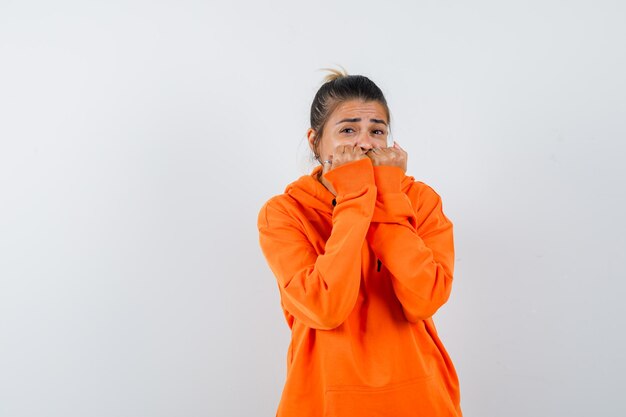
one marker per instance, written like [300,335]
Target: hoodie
[360,275]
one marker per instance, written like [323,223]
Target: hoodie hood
[308,191]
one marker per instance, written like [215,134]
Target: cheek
[328,145]
[342,140]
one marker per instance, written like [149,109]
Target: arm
[321,291]
[420,257]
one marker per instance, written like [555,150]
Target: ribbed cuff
[352,176]
[388,178]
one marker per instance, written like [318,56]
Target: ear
[310,134]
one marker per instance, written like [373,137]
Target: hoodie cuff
[351,177]
[392,204]
[388,178]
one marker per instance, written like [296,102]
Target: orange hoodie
[360,276]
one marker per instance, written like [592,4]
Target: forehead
[357,108]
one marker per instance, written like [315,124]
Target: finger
[397,146]
[357,150]
[386,153]
[327,165]
[396,151]
[340,150]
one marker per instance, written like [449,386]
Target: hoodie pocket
[418,396]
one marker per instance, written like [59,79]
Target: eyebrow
[358,119]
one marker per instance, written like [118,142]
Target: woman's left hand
[390,156]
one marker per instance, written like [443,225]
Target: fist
[393,156]
[343,154]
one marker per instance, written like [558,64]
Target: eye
[382,132]
[347,128]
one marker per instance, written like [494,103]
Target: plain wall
[138,141]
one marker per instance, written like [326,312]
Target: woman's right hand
[342,155]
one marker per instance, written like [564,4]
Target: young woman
[363,256]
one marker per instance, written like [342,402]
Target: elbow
[328,324]
[423,302]
[330,319]
[326,313]
[320,321]
[423,312]
[416,308]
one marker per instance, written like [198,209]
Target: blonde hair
[334,74]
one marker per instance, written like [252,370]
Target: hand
[391,156]
[342,155]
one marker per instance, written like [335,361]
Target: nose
[364,141]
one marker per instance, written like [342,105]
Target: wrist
[388,178]
[351,176]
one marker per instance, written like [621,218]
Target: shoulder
[422,192]
[278,206]
[425,199]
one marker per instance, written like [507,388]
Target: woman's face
[353,122]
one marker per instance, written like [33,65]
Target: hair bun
[334,74]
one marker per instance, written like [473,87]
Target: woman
[363,256]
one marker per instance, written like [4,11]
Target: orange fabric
[359,283]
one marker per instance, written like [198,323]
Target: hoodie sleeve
[414,240]
[321,290]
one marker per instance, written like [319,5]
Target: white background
[138,140]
